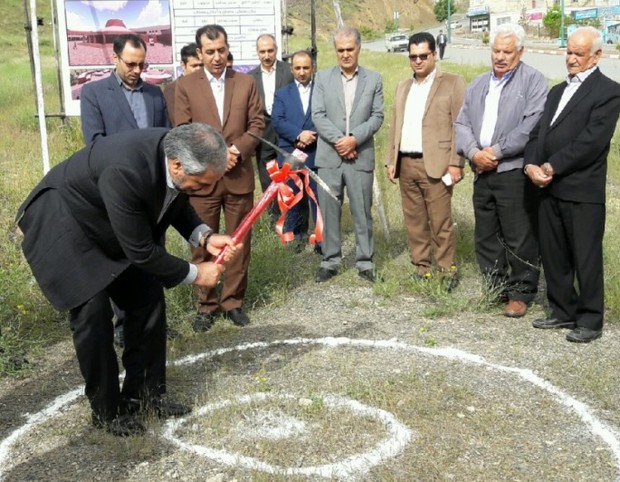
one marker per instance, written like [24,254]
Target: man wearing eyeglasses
[422,155]
[122,101]
[500,110]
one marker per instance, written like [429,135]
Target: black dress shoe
[581,334]
[238,317]
[159,406]
[203,322]
[550,323]
[323,274]
[120,426]
[367,274]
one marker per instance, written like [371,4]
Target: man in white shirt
[422,155]
[271,75]
[500,110]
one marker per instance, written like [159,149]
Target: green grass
[28,324]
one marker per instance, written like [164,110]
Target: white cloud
[152,14]
[110,5]
[77,22]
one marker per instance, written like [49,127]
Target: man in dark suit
[347,110]
[92,232]
[422,154]
[190,62]
[291,118]
[442,41]
[122,101]
[567,158]
[227,100]
[271,75]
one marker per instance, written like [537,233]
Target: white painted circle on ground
[582,410]
[397,439]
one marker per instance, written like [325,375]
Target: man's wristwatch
[204,239]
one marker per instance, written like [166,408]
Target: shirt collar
[169,182]
[505,78]
[300,86]
[354,73]
[428,79]
[580,76]
[211,78]
[120,82]
[269,72]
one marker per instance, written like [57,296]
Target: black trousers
[506,242]
[571,246]
[144,356]
[442,49]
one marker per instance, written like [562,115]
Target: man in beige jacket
[422,155]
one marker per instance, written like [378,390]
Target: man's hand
[456,173]
[233,156]
[485,160]
[346,147]
[538,175]
[391,172]
[217,242]
[208,274]
[305,138]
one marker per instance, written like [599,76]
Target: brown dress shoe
[515,309]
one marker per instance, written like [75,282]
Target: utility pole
[562,36]
[449,20]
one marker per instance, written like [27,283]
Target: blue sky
[93,15]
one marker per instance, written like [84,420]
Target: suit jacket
[243,113]
[105,111]
[442,107]
[99,212]
[577,143]
[329,116]
[288,119]
[283,77]
[169,92]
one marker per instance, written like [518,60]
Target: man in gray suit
[347,110]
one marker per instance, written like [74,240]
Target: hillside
[367,15]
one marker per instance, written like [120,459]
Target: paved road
[545,57]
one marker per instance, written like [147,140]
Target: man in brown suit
[421,153]
[190,62]
[228,101]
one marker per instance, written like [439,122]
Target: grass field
[28,324]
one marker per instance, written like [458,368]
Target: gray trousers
[359,191]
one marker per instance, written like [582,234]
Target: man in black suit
[567,158]
[93,230]
[123,100]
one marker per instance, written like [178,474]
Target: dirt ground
[340,383]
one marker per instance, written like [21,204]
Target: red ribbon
[287,199]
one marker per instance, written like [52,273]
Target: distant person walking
[442,41]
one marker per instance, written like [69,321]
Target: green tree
[441,9]
[553,20]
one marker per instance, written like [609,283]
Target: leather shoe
[550,323]
[238,317]
[581,334]
[367,274]
[515,309]
[323,274]
[120,426]
[203,322]
[162,408]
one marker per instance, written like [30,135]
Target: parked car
[396,42]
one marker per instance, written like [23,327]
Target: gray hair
[597,38]
[198,147]
[267,35]
[509,30]
[348,32]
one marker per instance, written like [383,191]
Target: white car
[396,43]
